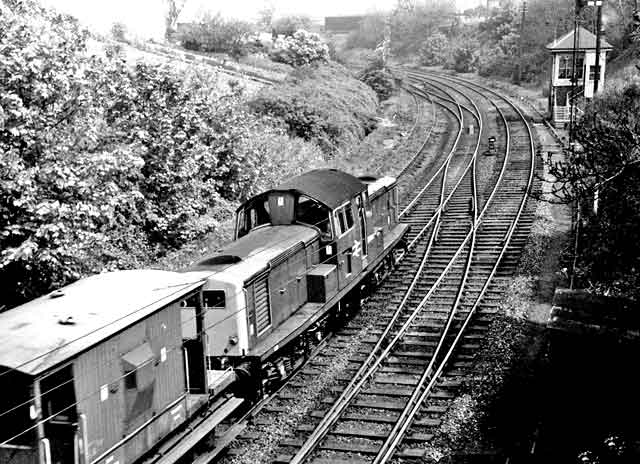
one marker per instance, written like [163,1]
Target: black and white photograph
[328,232]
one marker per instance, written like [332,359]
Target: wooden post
[37,400]
[596,78]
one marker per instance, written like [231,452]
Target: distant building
[561,90]
[342,24]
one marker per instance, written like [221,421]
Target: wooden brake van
[94,372]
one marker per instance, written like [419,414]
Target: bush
[218,35]
[300,49]
[381,81]
[493,62]
[435,50]
[464,58]
[322,103]
[379,78]
[289,25]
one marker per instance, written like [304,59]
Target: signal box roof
[54,328]
[328,186]
[586,41]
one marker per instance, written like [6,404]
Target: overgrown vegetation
[104,165]
[324,104]
[217,35]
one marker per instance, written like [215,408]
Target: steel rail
[461,178]
[365,372]
[408,137]
[388,448]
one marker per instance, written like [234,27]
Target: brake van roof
[56,327]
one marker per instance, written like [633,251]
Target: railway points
[387,405]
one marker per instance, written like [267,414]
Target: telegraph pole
[596,77]
[518,73]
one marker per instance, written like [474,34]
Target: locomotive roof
[328,186]
[51,329]
[255,251]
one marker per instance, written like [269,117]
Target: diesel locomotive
[116,365]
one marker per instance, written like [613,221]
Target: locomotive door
[362,219]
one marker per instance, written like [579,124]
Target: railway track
[401,357]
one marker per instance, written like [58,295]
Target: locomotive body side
[303,252]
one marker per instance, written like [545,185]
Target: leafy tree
[265,16]
[218,35]
[119,32]
[300,49]
[435,50]
[606,167]
[370,32]
[174,7]
[464,58]
[409,27]
[289,25]
[104,165]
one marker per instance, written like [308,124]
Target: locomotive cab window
[310,212]
[344,219]
[253,215]
[213,299]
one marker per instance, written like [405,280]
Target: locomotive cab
[283,208]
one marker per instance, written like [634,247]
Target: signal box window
[566,65]
[309,211]
[213,299]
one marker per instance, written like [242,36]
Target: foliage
[174,7]
[265,16]
[104,165]
[410,27]
[289,25]
[464,58]
[379,78]
[369,34]
[302,48]
[435,50]
[494,62]
[217,35]
[119,32]
[322,103]
[608,164]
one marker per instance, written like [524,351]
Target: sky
[145,18]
